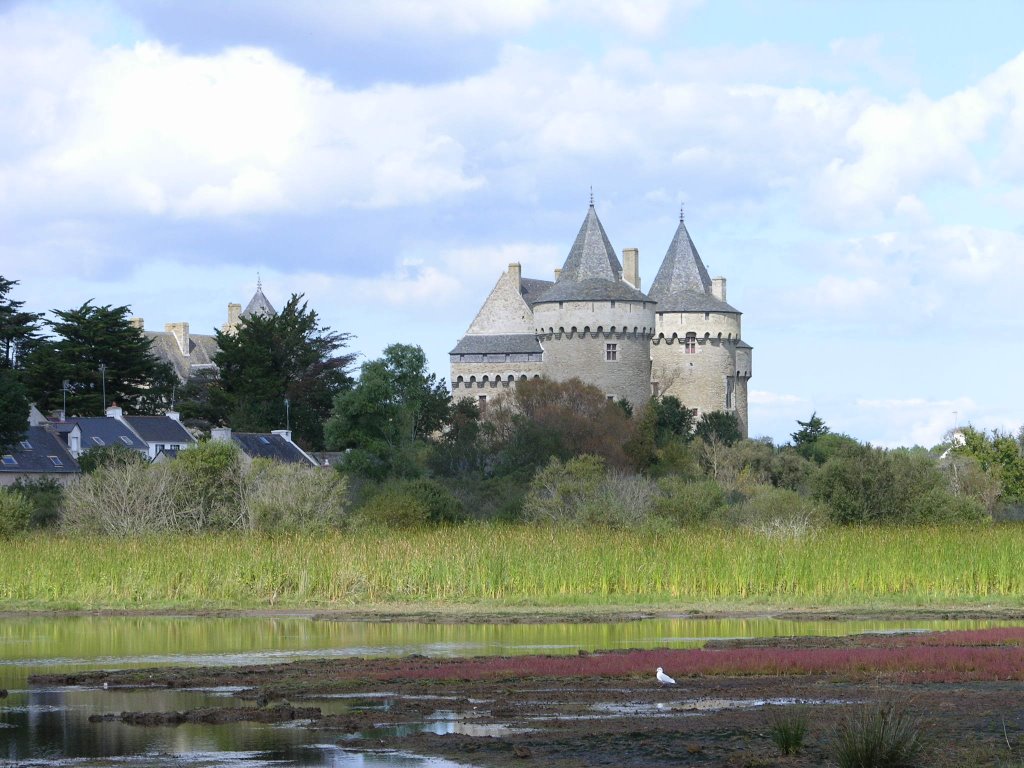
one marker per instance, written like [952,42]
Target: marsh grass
[788,727]
[519,565]
[879,736]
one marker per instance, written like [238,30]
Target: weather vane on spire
[591,195]
[259,282]
[682,212]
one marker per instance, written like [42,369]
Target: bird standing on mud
[663,678]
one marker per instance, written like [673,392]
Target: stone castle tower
[593,322]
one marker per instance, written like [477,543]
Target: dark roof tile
[159,429]
[511,344]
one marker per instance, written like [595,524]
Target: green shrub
[690,503]
[15,512]
[46,495]
[788,727]
[879,737]
[209,484]
[580,491]
[780,511]
[124,500]
[410,503]
[291,497]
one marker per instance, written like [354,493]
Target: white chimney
[174,415]
[285,433]
[631,266]
[718,288]
[115,412]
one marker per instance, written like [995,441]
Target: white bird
[664,679]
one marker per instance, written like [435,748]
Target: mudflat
[959,690]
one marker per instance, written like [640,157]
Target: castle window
[481,403]
[610,398]
[611,352]
[690,344]
[613,305]
[707,315]
[729,385]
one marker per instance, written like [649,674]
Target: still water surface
[49,726]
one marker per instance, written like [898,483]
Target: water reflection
[49,726]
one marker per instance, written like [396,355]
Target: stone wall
[583,356]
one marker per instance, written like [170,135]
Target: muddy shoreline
[605,708]
[469,614]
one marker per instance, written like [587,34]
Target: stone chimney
[718,288]
[234,314]
[137,323]
[558,274]
[631,266]
[285,433]
[180,331]
[515,271]
[221,434]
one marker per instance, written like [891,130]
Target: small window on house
[264,440]
[98,440]
[9,461]
[55,461]
[690,344]
[611,352]
[126,440]
[26,445]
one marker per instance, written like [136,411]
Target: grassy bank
[495,565]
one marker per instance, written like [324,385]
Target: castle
[193,353]
[593,322]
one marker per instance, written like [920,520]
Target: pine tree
[98,352]
[288,356]
[13,409]
[18,329]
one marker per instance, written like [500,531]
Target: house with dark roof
[276,446]
[594,322]
[83,434]
[39,455]
[157,433]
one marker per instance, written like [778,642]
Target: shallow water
[49,726]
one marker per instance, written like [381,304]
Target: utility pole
[103,378]
[287,414]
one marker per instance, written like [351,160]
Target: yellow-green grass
[508,565]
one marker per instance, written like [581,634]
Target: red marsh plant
[909,663]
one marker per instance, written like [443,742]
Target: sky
[854,169]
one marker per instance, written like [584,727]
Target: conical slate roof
[591,255]
[683,283]
[591,271]
[258,305]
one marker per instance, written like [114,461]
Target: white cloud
[917,421]
[760,397]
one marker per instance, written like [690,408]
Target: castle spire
[591,255]
[591,195]
[682,271]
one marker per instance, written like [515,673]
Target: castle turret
[697,354]
[594,325]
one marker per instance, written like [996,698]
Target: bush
[878,737]
[779,511]
[46,495]
[15,512]
[209,485]
[580,491]
[291,497]
[410,503]
[871,485]
[690,503]
[124,500]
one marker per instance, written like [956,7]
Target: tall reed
[519,565]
